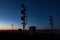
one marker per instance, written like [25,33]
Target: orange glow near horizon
[10,28]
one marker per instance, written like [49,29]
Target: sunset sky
[38,12]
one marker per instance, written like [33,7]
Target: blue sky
[38,12]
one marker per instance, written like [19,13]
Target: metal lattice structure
[12,26]
[51,23]
[23,18]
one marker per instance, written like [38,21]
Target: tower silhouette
[51,23]
[12,26]
[23,18]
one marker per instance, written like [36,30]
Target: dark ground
[27,36]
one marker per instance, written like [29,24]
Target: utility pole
[51,23]
[23,18]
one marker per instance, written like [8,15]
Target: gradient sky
[38,12]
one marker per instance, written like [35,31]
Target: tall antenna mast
[51,23]
[23,18]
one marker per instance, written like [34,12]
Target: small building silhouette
[20,30]
[32,30]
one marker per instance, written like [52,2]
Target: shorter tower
[12,26]
[51,22]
